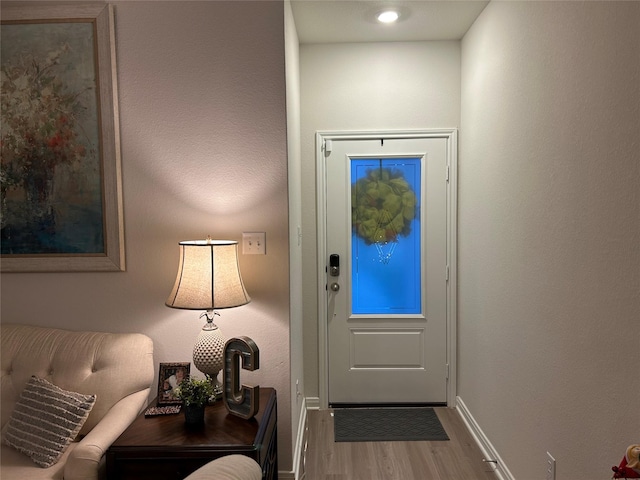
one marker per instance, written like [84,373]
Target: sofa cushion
[231,467]
[46,420]
[17,466]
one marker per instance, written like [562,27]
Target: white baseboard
[487,449]
[299,450]
[313,403]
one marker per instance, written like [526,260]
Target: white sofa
[231,467]
[117,368]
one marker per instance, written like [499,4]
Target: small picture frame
[169,377]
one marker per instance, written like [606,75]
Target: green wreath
[382,206]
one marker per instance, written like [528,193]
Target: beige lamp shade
[208,276]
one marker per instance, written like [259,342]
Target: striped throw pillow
[46,420]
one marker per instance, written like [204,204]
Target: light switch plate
[254,243]
[551,467]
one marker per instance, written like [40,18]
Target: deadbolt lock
[334,265]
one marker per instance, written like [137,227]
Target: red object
[622,471]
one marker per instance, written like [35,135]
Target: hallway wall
[549,233]
[373,86]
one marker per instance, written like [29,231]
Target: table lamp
[208,279]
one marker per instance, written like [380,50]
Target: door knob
[334,287]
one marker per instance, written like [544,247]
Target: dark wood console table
[163,448]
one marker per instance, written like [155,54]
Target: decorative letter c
[241,401]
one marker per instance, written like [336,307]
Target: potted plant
[195,394]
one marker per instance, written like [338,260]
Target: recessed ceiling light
[387,16]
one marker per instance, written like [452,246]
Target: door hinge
[447,369]
[447,173]
[446,275]
[327,147]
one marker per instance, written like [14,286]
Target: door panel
[386,219]
[387,348]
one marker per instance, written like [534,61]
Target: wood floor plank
[458,458]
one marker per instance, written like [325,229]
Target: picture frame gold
[28,248]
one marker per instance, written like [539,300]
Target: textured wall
[549,233]
[382,86]
[203,124]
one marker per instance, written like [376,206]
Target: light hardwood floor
[456,459]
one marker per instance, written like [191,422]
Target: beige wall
[203,124]
[549,231]
[383,86]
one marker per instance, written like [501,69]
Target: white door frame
[451,135]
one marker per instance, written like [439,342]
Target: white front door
[386,228]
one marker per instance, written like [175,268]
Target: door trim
[451,136]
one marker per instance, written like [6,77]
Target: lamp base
[208,353]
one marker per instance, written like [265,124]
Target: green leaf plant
[195,391]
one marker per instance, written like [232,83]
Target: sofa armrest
[87,458]
[231,467]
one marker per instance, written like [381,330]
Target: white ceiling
[338,21]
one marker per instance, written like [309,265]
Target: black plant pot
[194,415]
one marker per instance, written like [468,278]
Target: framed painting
[61,190]
[169,377]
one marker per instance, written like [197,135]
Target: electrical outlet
[551,467]
[254,243]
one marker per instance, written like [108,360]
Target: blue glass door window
[386,235]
